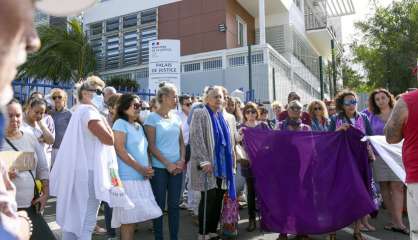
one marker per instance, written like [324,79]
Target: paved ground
[188,230]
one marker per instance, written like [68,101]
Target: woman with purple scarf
[212,165]
[381,103]
[348,116]
[293,122]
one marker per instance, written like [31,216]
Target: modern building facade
[288,38]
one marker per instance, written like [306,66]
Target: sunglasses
[56,97]
[251,111]
[318,109]
[350,102]
[145,108]
[97,91]
[296,109]
[137,106]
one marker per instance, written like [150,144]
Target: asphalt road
[188,230]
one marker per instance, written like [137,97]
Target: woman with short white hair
[78,179]
[212,158]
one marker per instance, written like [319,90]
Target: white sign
[164,63]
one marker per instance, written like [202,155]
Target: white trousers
[412,202]
[90,217]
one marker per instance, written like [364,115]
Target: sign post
[164,63]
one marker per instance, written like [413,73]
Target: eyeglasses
[56,97]
[251,111]
[145,108]
[136,106]
[187,104]
[318,109]
[295,109]
[350,102]
[97,91]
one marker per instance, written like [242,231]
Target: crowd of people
[173,152]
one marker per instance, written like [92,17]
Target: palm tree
[65,56]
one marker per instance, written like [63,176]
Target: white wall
[114,8]
[297,18]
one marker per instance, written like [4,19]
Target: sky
[363,9]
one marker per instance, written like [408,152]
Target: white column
[262,21]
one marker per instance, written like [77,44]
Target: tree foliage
[388,49]
[123,83]
[65,55]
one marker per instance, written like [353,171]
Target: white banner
[164,63]
[391,154]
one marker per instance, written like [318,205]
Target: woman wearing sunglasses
[135,169]
[78,178]
[293,122]
[251,115]
[348,116]
[61,115]
[319,116]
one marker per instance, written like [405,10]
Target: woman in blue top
[166,145]
[319,116]
[134,168]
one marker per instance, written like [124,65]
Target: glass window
[112,24]
[242,32]
[147,35]
[112,52]
[96,28]
[130,21]
[130,48]
[148,16]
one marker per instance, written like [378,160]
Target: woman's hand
[41,201]
[344,127]
[147,172]
[12,174]
[171,168]
[208,169]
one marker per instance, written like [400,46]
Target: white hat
[63,8]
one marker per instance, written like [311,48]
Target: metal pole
[274,84]
[321,77]
[250,73]
[334,66]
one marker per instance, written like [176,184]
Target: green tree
[354,80]
[65,55]
[123,83]
[388,49]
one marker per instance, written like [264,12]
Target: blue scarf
[223,163]
[2,121]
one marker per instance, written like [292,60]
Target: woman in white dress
[134,167]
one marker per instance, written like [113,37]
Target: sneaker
[203,237]
[99,230]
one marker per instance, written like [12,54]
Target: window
[130,48]
[112,25]
[97,46]
[242,32]
[112,52]
[298,4]
[148,16]
[213,64]
[96,28]
[130,21]
[147,35]
[192,67]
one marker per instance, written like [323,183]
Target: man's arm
[394,126]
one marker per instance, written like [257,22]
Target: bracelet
[29,222]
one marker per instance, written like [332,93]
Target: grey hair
[209,89]
[109,89]
[165,89]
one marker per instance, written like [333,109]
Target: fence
[23,89]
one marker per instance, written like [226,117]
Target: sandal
[358,236]
[333,236]
[398,230]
